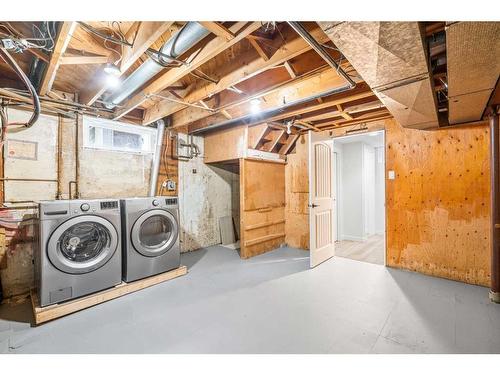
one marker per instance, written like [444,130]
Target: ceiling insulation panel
[381,52]
[411,104]
[473,57]
[391,58]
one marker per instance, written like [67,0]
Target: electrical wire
[36,100]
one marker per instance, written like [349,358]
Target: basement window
[110,135]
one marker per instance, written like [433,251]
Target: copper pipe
[495,207]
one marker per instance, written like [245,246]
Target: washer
[79,248]
[150,229]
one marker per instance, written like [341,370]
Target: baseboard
[352,238]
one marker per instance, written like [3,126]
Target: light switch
[391,175]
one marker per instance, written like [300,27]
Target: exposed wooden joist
[218,29]
[290,70]
[255,44]
[360,92]
[82,60]
[209,51]
[142,35]
[298,89]
[61,43]
[294,46]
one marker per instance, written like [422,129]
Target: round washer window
[155,231]
[84,241]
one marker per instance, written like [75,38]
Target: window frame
[101,123]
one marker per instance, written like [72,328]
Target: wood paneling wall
[262,206]
[438,206]
[297,196]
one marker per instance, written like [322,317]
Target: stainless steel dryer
[79,248]
[150,230]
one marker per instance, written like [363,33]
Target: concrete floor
[372,250]
[273,304]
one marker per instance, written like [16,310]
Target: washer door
[82,244]
[154,233]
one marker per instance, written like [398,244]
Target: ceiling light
[289,127]
[255,105]
[112,69]
[112,81]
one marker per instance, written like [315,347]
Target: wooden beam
[142,35]
[218,29]
[307,125]
[290,70]
[360,93]
[293,47]
[198,58]
[343,113]
[61,43]
[83,60]
[307,85]
[147,33]
[255,44]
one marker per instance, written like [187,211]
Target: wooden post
[495,207]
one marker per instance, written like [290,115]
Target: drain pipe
[155,166]
[183,40]
[495,206]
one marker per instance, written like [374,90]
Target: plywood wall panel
[438,212]
[226,145]
[297,196]
[262,206]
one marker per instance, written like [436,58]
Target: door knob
[313,205]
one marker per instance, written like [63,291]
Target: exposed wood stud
[218,29]
[61,43]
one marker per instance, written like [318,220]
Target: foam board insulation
[391,58]
[473,61]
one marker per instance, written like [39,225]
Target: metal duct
[155,168]
[178,44]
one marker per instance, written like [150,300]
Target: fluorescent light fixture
[112,70]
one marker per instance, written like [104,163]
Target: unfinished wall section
[33,153]
[205,195]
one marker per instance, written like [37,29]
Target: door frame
[335,177]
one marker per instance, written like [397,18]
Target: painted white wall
[368,197]
[379,190]
[352,192]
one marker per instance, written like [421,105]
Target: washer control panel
[85,207]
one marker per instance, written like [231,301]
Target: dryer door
[82,244]
[154,232]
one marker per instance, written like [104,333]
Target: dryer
[150,230]
[79,248]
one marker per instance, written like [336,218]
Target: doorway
[359,188]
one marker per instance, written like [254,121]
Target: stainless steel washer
[150,230]
[79,248]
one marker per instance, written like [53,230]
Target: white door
[321,199]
